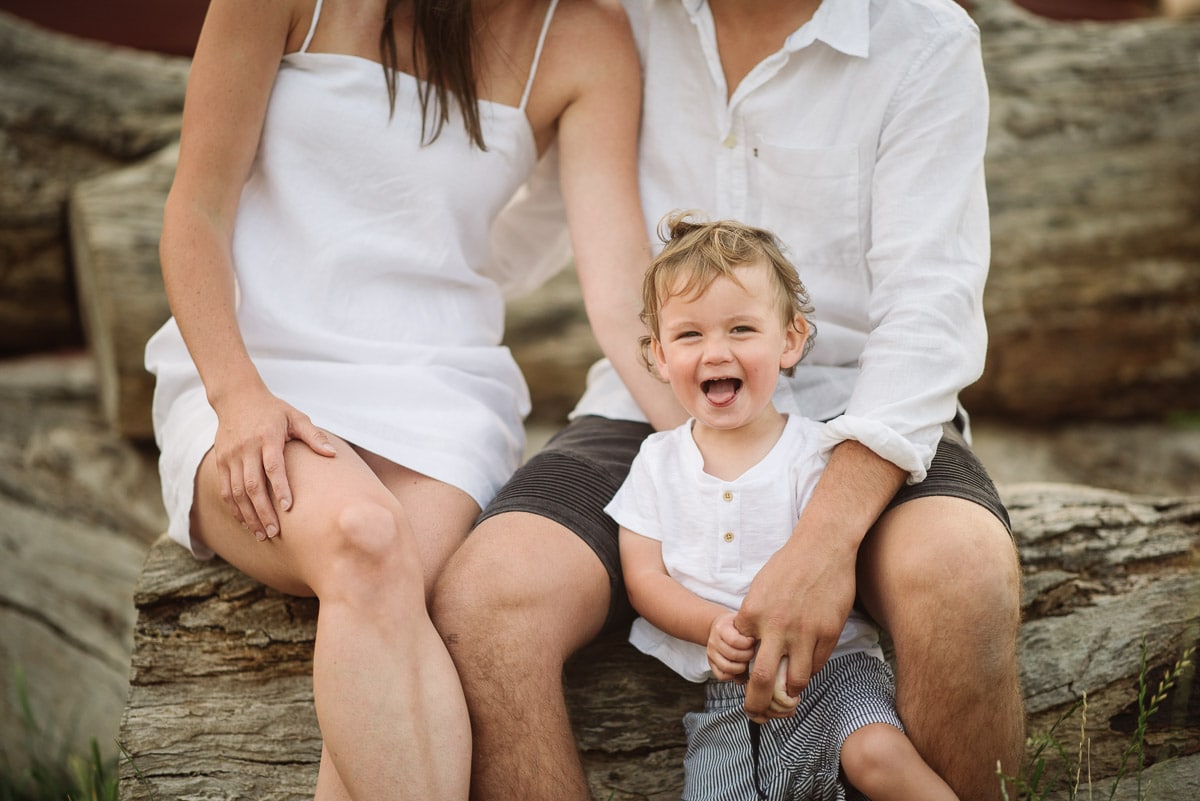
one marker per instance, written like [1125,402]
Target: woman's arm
[230,81]
[597,138]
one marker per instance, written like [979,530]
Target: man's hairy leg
[942,576]
[514,603]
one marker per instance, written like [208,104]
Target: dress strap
[537,54]
[312,28]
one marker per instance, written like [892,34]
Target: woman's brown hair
[443,44]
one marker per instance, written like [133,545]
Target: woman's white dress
[358,255]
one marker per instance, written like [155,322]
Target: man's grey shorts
[576,474]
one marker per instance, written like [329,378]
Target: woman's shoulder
[585,29]
[589,62]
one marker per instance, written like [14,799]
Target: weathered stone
[69,109]
[79,506]
[66,613]
[1093,299]
[115,223]
[1103,570]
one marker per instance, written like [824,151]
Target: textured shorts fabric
[576,474]
[570,481]
[956,472]
[793,758]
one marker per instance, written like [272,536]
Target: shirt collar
[844,25]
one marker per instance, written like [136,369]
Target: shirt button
[728,495]
[729,141]
[728,536]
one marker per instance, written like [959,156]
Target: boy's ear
[794,338]
[660,358]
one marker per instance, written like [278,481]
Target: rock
[1144,458]
[79,507]
[220,697]
[58,457]
[1093,171]
[66,614]
[1104,572]
[69,109]
[115,223]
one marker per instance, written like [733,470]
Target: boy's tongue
[720,392]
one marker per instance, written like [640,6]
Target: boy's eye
[743,329]
[687,334]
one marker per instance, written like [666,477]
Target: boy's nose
[717,351]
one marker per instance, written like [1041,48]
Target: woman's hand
[729,651]
[252,429]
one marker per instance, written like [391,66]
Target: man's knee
[521,583]
[938,558]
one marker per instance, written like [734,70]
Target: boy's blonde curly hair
[697,253]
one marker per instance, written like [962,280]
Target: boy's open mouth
[721,391]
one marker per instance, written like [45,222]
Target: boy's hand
[729,651]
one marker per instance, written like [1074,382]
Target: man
[855,130]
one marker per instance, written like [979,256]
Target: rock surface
[69,109]
[1094,188]
[220,699]
[79,506]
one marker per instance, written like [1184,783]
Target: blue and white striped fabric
[798,758]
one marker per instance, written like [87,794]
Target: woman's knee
[369,551]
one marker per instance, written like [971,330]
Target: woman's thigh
[322,488]
[439,514]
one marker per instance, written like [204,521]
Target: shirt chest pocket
[810,198]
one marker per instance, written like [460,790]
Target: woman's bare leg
[389,703]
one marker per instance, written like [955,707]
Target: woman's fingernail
[272,530]
[285,503]
[258,535]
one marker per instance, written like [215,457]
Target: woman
[333,405]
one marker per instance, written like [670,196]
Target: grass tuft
[50,771]
[1051,771]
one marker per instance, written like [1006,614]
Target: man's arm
[798,603]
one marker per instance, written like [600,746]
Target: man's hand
[796,608]
[798,603]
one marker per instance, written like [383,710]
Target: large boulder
[115,223]
[69,109]
[79,508]
[220,704]
[1093,168]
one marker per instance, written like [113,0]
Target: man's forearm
[853,491]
